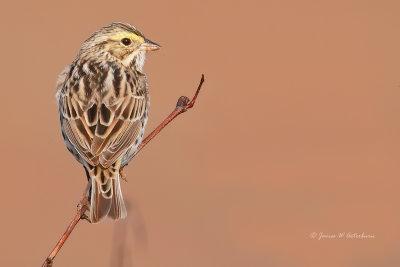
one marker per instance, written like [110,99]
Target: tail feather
[106,183]
[100,203]
[106,197]
[117,210]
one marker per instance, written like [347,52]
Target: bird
[103,105]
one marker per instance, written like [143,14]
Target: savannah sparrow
[103,105]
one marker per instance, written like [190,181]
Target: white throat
[137,58]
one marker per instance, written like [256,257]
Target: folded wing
[101,131]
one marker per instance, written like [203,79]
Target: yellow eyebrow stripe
[133,36]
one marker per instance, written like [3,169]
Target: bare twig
[80,214]
[183,104]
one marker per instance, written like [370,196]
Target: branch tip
[191,103]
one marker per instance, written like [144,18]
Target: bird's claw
[122,174]
[85,217]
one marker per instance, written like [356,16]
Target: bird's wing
[101,130]
[76,129]
[118,128]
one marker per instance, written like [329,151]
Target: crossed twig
[183,104]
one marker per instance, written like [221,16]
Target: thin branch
[80,214]
[183,104]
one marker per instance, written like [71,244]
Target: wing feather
[100,127]
[119,146]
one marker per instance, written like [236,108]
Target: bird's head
[121,42]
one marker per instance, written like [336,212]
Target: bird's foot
[83,204]
[82,207]
[123,175]
[85,217]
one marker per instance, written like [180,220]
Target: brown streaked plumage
[103,105]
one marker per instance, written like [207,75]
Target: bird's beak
[149,45]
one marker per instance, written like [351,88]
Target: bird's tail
[106,195]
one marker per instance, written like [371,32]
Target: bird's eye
[126,41]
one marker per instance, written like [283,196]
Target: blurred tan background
[296,131]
